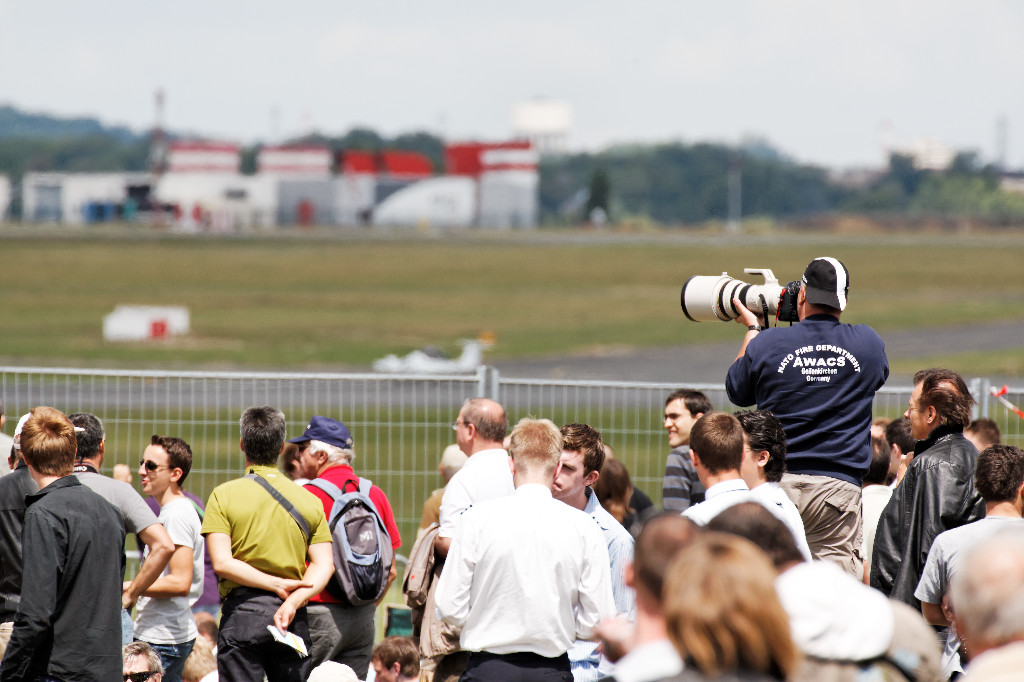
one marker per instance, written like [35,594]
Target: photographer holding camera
[819,378]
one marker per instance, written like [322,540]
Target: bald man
[480,431]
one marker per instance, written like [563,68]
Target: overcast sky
[819,80]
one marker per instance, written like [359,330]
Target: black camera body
[787,311]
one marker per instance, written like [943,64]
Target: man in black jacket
[68,623]
[937,493]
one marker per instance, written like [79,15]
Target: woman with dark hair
[723,615]
[614,489]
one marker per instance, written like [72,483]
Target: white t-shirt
[170,621]
[947,553]
[873,499]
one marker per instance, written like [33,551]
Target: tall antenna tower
[734,185]
[1001,142]
[158,144]
[157,158]
[885,140]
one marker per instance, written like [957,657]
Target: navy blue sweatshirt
[819,378]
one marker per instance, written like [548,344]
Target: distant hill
[15,123]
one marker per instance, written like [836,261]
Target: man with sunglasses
[142,663]
[136,517]
[164,617]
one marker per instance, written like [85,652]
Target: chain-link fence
[401,424]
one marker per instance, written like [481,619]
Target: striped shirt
[680,488]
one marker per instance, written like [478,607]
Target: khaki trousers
[830,510]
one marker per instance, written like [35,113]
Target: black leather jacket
[936,494]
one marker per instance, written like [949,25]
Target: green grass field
[336,302]
[320,301]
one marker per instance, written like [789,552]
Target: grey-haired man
[340,632]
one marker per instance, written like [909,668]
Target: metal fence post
[984,398]
[974,386]
[490,382]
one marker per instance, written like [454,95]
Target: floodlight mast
[157,156]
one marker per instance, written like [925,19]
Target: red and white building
[483,184]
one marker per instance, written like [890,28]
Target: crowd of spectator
[796,541]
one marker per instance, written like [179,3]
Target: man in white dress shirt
[764,462]
[526,575]
[479,431]
[716,451]
[579,468]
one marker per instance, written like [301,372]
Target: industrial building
[200,187]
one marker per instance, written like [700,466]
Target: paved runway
[708,363]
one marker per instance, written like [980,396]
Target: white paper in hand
[289,639]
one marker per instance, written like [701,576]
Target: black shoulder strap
[289,507]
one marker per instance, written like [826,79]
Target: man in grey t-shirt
[136,515]
[999,478]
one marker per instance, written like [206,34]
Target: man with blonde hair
[68,624]
[526,574]
[201,665]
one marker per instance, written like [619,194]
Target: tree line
[670,183]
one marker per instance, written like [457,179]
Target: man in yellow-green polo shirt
[259,549]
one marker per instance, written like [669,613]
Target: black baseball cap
[827,282]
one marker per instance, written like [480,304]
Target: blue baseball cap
[326,430]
